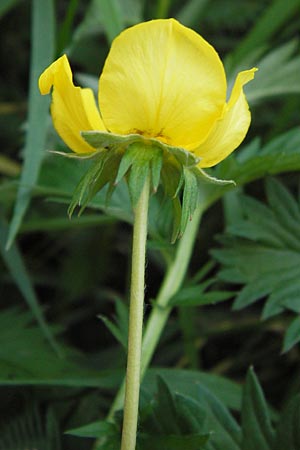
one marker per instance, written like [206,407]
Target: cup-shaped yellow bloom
[160,80]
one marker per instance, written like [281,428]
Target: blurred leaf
[111,17]
[196,295]
[9,167]
[6,5]
[190,12]
[288,427]
[29,429]
[64,34]
[15,264]
[226,432]
[119,328]
[27,358]
[186,382]
[170,442]
[277,74]
[292,335]
[269,23]
[43,37]
[171,422]
[95,430]
[258,433]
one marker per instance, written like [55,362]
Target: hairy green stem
[161,311]
[133,373]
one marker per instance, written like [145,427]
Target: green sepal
[136,180]
[155,167]
[136,162]
[190,197]
[100,140]
[135,157]
[79,156]
[102,171]
[204,176]
[177,212]
[172,178]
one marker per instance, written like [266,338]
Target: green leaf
[191,11]
[288,427]
[119,328]
[165,410]
[292,335]
[262,251]
[196,295]
[277,74]
[27,358]
[258,433]
[226,432]
[111,17]
[186,382]
[29,428]
[42,53]
[192,414]
[267,25]
[95,430]
[6,5]
[279,155]
[15,264]
[172,442]
[171,422]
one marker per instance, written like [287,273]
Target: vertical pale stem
[133,373]
[160,313]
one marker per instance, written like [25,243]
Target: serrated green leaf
[258,433]
[286,208]
[283,297]
[262,250]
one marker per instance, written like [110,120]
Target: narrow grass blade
[42,55]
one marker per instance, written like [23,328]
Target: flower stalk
[133,372]
[161,311]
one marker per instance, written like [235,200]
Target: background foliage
[63,297]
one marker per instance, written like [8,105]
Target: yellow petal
[73,109]
[162,80]
[231,129]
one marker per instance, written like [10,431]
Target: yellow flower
[160,80]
